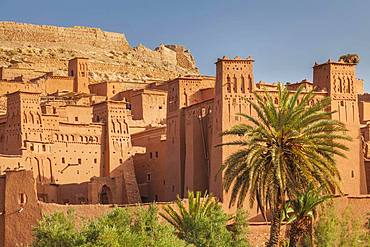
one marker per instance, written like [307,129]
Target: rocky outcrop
[48,48]
[183,56]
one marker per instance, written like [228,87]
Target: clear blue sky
[285,37]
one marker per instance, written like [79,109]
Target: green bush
[332,230]
[116,229]
[57,230]
[141,226]
[240,229]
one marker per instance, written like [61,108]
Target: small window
[32,147]
[79,161]
[120,161]
[160,107]
[95,160]
[353,174]
[173,188]
[63,160]
[156,198]
[76,119]
[156,154]
[151,155]
[148,177]
[22,198]
[43,148]
[164,182]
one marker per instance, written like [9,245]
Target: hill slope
[48,48]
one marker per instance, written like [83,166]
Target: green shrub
[118,228]
[240,229]
[332,230]
[57,230]
[142,227]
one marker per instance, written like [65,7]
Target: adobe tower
[78,69]
[340,81]
[234,84]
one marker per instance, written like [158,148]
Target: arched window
[32,118]
[242,85]
[250,86]
[38,120]
[348,85]
[119,127]
[113,127]
[235,85]
[228,84]
[340,85]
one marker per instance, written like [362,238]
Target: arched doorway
[105,195]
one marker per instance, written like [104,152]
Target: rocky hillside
[48,48]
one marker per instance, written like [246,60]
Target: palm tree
[199,206]
[301,211]
[200,221]
[282,148]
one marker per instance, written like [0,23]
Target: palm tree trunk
[275,227]
[294,234]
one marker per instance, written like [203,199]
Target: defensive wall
[20,210]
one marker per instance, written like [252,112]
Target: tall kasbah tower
[78,69]
[24,122]
[339,80]
[234,84]
[117,148]
[24,134]
[180,90]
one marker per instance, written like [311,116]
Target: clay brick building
[77,145]
[200,108]
[128,142]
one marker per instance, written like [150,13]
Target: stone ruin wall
[85,36]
